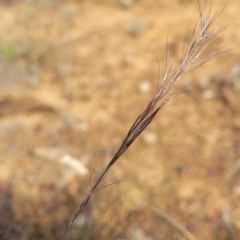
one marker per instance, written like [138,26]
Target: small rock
[150,137]
[83,126]
[49,153]
[235,70]
[136,29]
[77,165]
[236,84]
[126,3]
[188,87]
[70,120]
[68,13]
[236,190]
[208,94]
[61,156]
[144,87]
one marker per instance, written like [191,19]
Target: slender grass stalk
[191,59]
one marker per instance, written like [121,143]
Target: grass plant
[193,55]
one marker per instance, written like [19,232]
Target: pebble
[144,87]
[83,126]
[188,87]
[235,70]
[208,94]
[136,29]
[236,190]
[150,137]
[126,3]
[236,84]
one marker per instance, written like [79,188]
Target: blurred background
[74,75]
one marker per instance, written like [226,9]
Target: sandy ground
[74,76]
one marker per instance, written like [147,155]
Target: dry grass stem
[167,218]
[191,59]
